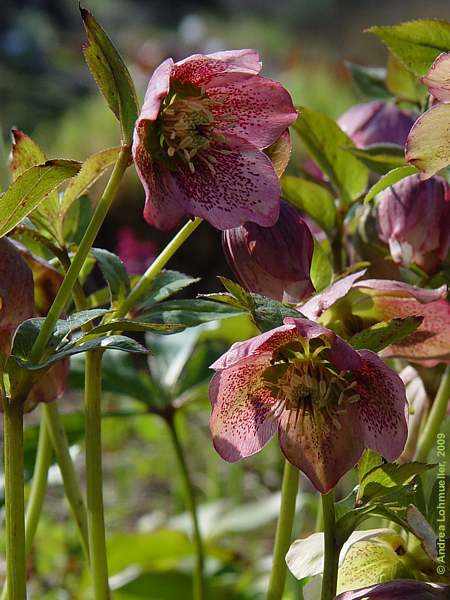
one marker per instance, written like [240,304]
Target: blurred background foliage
[47,91]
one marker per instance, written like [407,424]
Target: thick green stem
[37,493]
[331,555]
[14,500]
[189,493]
[94,475]
[53,423]
[283,535]
[435,418]
[65,291]
[157,265]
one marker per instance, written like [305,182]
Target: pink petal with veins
[379,416]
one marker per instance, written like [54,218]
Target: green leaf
[383,334]
[369,461]
[115,274]
[165,285]
[27,192]
[321,268]
[92,168]
[380,158]
[423,531]
[402,83]
[130,325]
[369,82]
[241,294]
[268,313]
[188,312]
[384,479]
[111,75]
[428,145]
[311,198]
[280,152]
[416,43]
[327,144]
[76,220]
[24,155]
[389,179]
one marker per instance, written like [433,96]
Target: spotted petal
[240,185]
[161,207]
[323,450]
[379,417]
[241,422]
[258,110]
[205,70]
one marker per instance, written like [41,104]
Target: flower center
[303,380]
[187,129]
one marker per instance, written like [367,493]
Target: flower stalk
[94,475]
[435,418]
[189,494]
[331,556]
[283,534]
[14,500]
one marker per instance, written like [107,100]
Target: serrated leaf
[416,43]
[236,290]
[369,82]
[130,325]
[115,274]
[311,198]
[327,144]
[384,479]
[34,185]
[92,168]
[268,313]
[225,298]
[380,158]
[165,284]
[369,461]
[111,75]
[188,312]
[389,179]
[383,334]
[321,268]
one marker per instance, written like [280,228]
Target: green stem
[37,493]
[53,423]
[331,554]
[14,500]
[283,535]
[157,265]
[94,475]
[198,583]
[71,278]
[435,418]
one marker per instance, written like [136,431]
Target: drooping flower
[17,304]
[401,589]
[352,304]
[273,261]
[199,140]
[326,400]
[428,143]
[376,123]
[136,254]
[414,219]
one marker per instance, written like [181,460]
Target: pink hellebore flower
[199,138]
[414,219]
[401,589]
[135,254]
[326,400]
[349,306]
[375,123]
[273,261]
